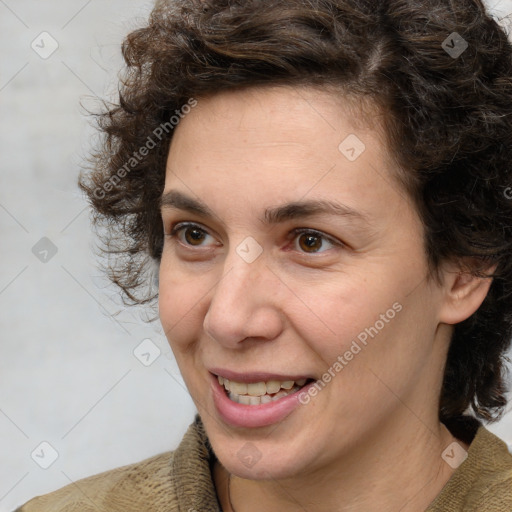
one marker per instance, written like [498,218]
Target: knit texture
[181,481]
[178,481]
[483,482]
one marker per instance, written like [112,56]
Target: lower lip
[253,416]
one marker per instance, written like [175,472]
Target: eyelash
[180,226]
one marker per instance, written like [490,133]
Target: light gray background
[68,373]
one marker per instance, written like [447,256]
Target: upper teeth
[258,388]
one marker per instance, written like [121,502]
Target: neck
[395,471]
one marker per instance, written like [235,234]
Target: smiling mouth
[258,393]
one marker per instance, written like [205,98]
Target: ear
[463,293]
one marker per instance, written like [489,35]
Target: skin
[371,439]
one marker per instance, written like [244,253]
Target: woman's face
[292,253]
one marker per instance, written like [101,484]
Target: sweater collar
[194,458]
[192,466]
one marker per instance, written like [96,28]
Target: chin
[262,459]
[264,469]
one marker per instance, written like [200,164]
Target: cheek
[358,326]
[340,311]
[383,346]
[179,305]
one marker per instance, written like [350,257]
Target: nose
[244,304]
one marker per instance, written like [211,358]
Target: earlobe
[464,293]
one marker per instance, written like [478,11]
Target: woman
[323,186]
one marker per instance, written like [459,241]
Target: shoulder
[482,482]
[492,489]
[146,485]
[169,482]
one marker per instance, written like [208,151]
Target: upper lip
[256,376]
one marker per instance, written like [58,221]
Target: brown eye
[193,236]
[190,234]
[311,242]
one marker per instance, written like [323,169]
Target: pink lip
[253,416]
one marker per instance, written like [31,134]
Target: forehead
[294,120]
[278,143]
[292,109]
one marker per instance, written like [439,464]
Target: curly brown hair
[439,70]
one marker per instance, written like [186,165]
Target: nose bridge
[237,280]
[244,268]
[240,305]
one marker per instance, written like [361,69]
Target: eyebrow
[275,215]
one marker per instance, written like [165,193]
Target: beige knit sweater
[181,481]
